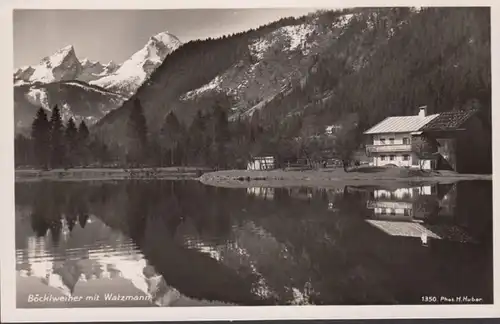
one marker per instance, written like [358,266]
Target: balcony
[388,204]
[388,148]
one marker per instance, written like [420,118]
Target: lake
[180,243]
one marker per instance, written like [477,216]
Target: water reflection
[182,243]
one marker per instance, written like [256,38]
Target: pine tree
[221,135]
[82,144]
[198,139]
[22,150]
[71,140]
[57,152]
[137,134]
[170,135]
[40,134]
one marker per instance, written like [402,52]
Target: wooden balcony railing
[388,148]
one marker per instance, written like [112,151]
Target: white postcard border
[8,279]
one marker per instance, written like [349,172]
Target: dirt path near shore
[332,178]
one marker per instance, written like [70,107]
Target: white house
[392,140]
[261,163]
[397,204]
[332,129]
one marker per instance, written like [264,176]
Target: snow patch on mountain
[212,85]
[259,47]
[297,35]
[38,97]
[343,21]
[133,72]
[94,89]
[65,111]
[20,82]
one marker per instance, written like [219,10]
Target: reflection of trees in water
[52,202]
[349,261]
[474,209]
[293,241]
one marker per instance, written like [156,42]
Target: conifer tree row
[53,144]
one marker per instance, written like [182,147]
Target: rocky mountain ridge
[84,89]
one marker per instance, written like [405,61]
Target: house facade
[463,139]
[392,141]
[261,163]
[332,129]
[438,141]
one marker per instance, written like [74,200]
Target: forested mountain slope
[373,62]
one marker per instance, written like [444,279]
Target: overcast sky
[106,35]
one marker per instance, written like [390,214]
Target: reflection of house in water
[397,204]
[261,192]
[423,211]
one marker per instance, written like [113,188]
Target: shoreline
[101,174]
[333,178]
[323,178]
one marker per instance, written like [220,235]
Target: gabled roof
[401,124]
[449,120]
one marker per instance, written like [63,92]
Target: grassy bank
[333,178]
[174,173]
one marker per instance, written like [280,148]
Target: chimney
[422,111]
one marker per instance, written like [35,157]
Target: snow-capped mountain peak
[87,62]
[67,52]
[62,65]
[133,72]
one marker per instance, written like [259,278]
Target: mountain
[76,99]
[85,90]
[63,65]
[133,72]
[94,70]
[370,61]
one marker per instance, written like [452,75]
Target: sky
[106,35]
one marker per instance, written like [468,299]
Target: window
[393,212]
[392,157]
[382,158]
[406,157]
[383,211]
[391,140]
[406,140]
[382,141]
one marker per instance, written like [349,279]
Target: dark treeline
[53,144]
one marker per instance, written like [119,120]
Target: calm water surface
[179,243]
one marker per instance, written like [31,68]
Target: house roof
[411,229]
[401,124]
[450,120]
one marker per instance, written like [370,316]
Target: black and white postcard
[248,161]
